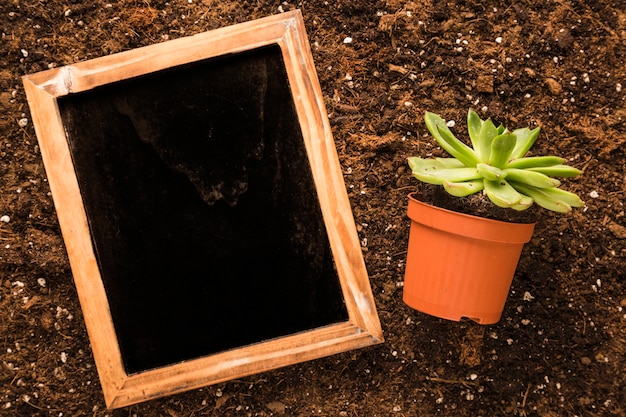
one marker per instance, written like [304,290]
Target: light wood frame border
[362,328]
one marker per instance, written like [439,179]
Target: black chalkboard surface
[202,208]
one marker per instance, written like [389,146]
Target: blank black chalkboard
[202,208]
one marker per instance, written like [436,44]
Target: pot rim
[468,225]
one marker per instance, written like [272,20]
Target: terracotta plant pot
[460,265]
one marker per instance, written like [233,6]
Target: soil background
[559,349]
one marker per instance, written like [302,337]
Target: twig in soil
[198,410]
[616,193]
[523,412]
[404,188]
[434,38]
[587,162]
[453,381]
[64,335]
[41,408]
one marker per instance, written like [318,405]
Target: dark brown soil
[560,347]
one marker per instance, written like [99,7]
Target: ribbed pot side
[460,265]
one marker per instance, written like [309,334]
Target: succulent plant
[496,164]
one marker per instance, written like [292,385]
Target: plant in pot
[459,264]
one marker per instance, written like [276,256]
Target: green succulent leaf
[501,148]
[450,162]
[447,174]
[490,172]
[563,171]
[488,132]
[417,163]
[463,189]
[502,194]
[532,178]
[566,197]
[553,199]
[480,143]
[525,140]
[423,165]
[446,139]
[435,171]
[524,203]
[535,161]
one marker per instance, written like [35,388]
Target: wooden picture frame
[70,108]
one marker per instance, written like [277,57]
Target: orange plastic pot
[460,265]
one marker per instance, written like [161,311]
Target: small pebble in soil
[277,407]
[594,194]
[553,86]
